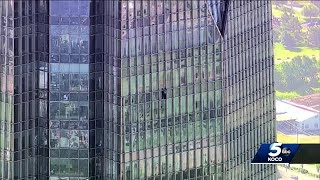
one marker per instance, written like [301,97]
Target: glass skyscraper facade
[135,89]
[248,89]
[69,34]
[6,87]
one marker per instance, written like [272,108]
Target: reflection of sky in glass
[69,8]
[69,85]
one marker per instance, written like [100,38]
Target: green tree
[285,17]
[314,36]
[291,30]
[279,78]
[276,34]
[287,9]
[286,95]
[297,75]
[310,10]
[288,40]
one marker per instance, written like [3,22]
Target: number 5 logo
[275,149]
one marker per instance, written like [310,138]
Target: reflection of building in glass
[192,104]
[135,89]
[69,34]
[7,90]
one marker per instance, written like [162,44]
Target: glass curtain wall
[69,89]
[96,89]
[112,93]
[6,88]
[171,117]
[31,56]
[248,96]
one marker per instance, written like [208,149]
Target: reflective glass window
[64,138]
[74,82]
[84,82]
[54,110]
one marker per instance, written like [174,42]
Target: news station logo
[276,151]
